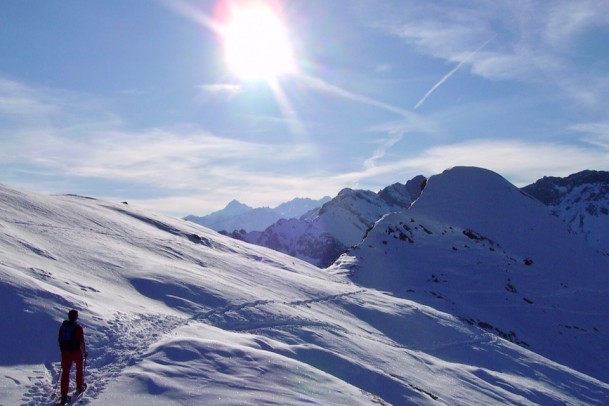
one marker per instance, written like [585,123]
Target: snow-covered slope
[321,236]
[475,246]
[238,216]
[581,200]
[178,314]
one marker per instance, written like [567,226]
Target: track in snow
[111,348]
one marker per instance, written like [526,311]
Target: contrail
[449,74]
[323,86]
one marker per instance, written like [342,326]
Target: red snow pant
[67,358]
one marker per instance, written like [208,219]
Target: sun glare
[256,43]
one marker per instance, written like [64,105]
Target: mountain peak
[473,244]
[299,206]
[236,206]
[239,216]
[581,201]
[466,193]
[550,189]
[399,194]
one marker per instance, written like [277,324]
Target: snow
[581,200]
[225,368]
[321,236]
[583,210]
[238,216]
[175,313]
[473,245]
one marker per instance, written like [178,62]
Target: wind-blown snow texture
[178,314]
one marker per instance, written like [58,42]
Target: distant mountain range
[321,236]
[467,292]
[239,216]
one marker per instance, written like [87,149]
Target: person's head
[73,315]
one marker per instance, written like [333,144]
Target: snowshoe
[64,400]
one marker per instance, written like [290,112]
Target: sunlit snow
[178,314]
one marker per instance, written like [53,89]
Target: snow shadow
[21,321]
[178,295]
[394,389]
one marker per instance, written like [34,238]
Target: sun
[256,43]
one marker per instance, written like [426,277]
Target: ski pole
[58,378]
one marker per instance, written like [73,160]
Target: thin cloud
[538,39]
[39,108]
[160,158]
[384,68]
[191,12]
[413,122]
[380,152]
[596,134]
[221,88]
[567,21]
[23,103]
[264,189]
[518,161]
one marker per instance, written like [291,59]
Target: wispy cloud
[380,152]
[536,41]
[221,88]
[19,102]
[516,160]
[596,134]
[186,165]
[167,159]
[263,189]
[566,20]
[78,145]
[383,68]
[78,140]
[194,171]
[192,12]
[411,121]
[34,107]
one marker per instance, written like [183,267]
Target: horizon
[181,106]
[486,297]
[273,207]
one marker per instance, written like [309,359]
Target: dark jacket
[71,337]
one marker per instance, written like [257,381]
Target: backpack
[67,336]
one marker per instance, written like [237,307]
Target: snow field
[178,314]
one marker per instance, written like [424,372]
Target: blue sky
[135,100]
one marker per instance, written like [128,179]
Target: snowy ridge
[475,246]
[321,236]
[178,314]
[581,200]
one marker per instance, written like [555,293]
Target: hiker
[73,350]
